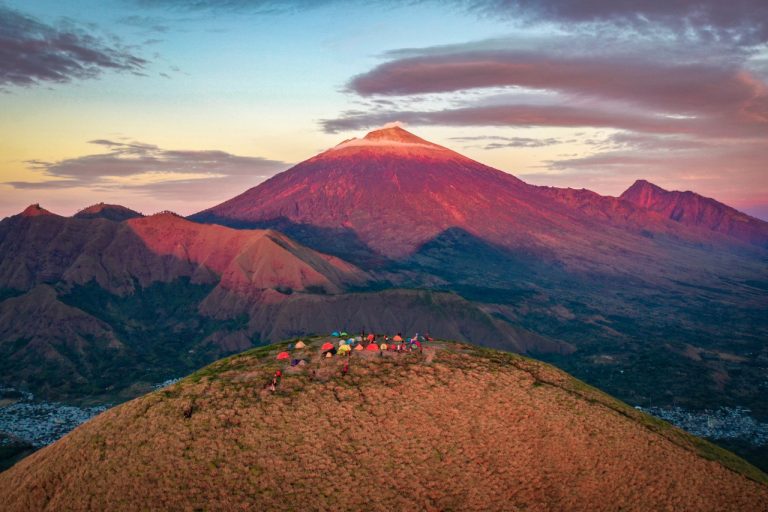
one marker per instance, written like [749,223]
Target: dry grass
[457,428]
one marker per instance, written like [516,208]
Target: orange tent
[372,347]
[283,355]
[359,347]
[327,346]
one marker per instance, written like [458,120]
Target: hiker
[345,369]
[371,338]
[276,380]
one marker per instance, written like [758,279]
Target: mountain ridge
[692,209]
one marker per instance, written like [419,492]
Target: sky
[179,105]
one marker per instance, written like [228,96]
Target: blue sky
[200,100]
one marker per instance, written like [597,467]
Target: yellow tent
[383,346]
[300,344]
[344,349]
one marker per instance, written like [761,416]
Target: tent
[397,339]
[300,344]
[328,355]
[383,346]
[283,355]
[327,346]
[359,347]
[372,347]
[342,343]
[344,349]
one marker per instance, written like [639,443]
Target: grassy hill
[454,428]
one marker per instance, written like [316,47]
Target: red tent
[283,355]
[372,347]
[327,346]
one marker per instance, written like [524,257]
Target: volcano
[388,195]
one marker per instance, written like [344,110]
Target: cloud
[145,167]
[557,115]
[32,52]
[498,141]
[671,85]
[257,6]
[743,22]
[568,81]
[739,21]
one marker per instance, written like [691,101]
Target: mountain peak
[642,184]
[114,212]
[395,134]
[693,209]
[390,137]
[35,210]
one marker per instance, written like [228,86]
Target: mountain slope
[80,297]
[455,428]
[163,247]
[83,295]
[693,209]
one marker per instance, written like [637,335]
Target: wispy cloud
[142,167]
[736,21]
[743,22]
[32,52]
[499,141]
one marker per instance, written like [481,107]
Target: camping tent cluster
[341,344]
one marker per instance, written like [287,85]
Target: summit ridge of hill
[453,428]
[114,212]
